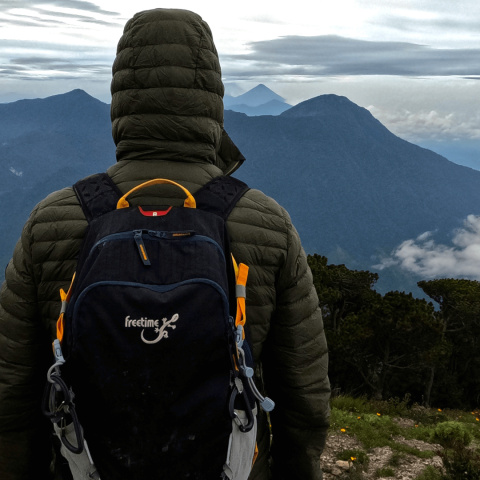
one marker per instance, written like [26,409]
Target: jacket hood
[167,92]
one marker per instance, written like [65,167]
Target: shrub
[430,473]
[452,434]
[396,459]
[461,464]
[385,472]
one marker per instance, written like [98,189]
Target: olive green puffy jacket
[167,114]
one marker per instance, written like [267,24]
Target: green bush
[351,404]
[396,459]
[452,434]
[461,464]
[385,472]
[430,473]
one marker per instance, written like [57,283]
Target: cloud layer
[54,40]
[9,6]
[332,55]
[424,125]
[423,256]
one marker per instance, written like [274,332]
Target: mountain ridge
[259,100]
[353,189]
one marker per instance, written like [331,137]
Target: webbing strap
[220,195]
[97,195]
[65,297]
[241,290]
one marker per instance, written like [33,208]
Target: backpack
[152,365]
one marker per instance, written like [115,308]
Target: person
[167,121]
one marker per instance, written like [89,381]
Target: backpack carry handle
[188,203]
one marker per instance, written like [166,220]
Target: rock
[404,422]
[343,464]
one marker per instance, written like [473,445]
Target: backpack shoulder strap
[220,195]
[97,195]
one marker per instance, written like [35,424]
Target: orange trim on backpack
[60,328]
[188,203]
[235,266]
[143,252]
[255,454]
[241,306]
[65,297]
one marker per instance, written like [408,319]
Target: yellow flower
[359,418]
[439,409]
[353,458]
[342,430]
[477,419]
[379,414]
[416,426]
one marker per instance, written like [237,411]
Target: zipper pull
[141,247]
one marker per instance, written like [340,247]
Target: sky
[415,64]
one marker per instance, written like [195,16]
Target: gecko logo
[160,330]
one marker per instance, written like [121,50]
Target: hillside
[368,440]
[354,190]
[45,144]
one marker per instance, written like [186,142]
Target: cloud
[52,13]
[423,256]
[332,55]
[44,68]
[71,49]
[8,5]
[50,63]
[424,125]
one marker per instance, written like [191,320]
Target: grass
[385,472]
[375,424]
[430,473]
[360,457]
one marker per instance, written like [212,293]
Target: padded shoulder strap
[220,195]
[97,195]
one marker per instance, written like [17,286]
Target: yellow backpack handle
[189,201]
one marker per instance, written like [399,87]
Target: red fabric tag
[154,213]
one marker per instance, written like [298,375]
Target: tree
[403,347]
[459,301]
[341,291]
[377,344]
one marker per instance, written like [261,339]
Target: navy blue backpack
[153,374]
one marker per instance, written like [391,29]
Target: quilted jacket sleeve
[295,371]
[43,261]
[24,441]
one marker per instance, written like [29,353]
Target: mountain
[45,144]
[353,189]
[257,101]
[54,137]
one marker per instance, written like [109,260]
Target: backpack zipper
[138,236]
[141,247]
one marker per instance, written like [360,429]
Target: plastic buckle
[239,336]
[57,351]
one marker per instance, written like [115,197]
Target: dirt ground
[408,467]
